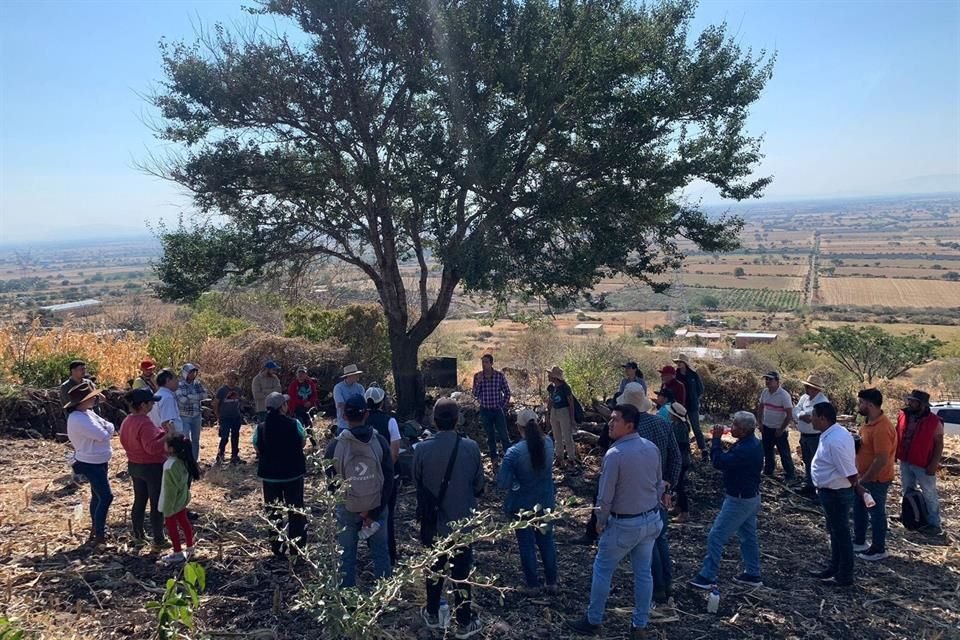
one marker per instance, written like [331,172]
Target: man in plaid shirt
[491,390]
[190,395]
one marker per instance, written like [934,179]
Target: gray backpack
[359,465]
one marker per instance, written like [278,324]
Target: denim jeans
[878,517]
[737,516]
[662,565]
[191,429]
[349,540]
[808,448]
[100,494]
[913,478]
[836,507]
[623,537]
[147,480]
[782,445]
[494,422]
[529,541]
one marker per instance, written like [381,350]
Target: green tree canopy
[525,146]
[870,353]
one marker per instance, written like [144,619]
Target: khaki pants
[562,425]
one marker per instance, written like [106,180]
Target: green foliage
[10,629]
[787,356]
[49,371]
[869,352]
[664,332]
[728,389]
[359,327]
[593,368]
[176,610]
[180,341]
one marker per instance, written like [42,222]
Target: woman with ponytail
[526,474]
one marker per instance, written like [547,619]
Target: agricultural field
[947,333]
[746,282]
[889,292]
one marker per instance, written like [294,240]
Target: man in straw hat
[560,404]
[803,417]
[348,387]
[693,385]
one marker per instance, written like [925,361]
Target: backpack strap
[448,473]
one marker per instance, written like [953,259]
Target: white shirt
[90,436]
[835,459]
[166,410]
[805,408]
[776,406]
[394,430]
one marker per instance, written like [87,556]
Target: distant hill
[74,235]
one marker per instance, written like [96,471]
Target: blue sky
[865,98]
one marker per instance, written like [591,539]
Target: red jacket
[296,401]
[144,442]
[679,391]
[920,449]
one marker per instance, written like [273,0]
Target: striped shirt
[776,406]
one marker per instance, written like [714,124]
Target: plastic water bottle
[713,600]
[366,532]
[868,500]
[443,615]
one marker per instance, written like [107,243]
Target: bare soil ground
[60,589]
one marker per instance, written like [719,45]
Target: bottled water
[444,614]
[713,600]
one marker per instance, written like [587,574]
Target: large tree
[526,146]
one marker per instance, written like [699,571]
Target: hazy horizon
[864,101]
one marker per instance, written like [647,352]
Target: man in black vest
[386,425]
[279,441]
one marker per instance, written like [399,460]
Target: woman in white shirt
[90,436]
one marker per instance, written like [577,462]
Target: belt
[624,516]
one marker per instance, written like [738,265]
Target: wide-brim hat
[635,395]
[920,396]
[678,410]
[684,358]
[351,370]
[80,393]
[556,373]
[815,382]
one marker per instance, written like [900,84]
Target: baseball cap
[525,416]
[669,370]
[276,400]
[147,365]
[374,395]
[355,407]
[140,396]
[301,369]
[270,364]
[773,375]
[631,365]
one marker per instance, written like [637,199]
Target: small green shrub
[180,602]
[594,368]
[50,370]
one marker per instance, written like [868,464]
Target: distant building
[589,327]
[78,308]
[686,334]
[743,340]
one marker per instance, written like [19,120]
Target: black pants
[460,570]
[391,517]
[808,447]
[230,428]
[289,494]
[683,504]
[147,480]
[837,504]
[782,445]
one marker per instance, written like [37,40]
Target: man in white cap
[348,387]
[809,437]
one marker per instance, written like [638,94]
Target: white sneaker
[175,557]
[860,548]
[189,551]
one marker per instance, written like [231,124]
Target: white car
[949,412]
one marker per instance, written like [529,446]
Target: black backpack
[577,410]
[913,511]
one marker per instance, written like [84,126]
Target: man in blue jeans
[190,396]
[628,520]
[491,390]
[741,467]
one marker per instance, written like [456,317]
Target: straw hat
[814,381]
[677,410]
[633,394]
[682,358]
[80,393]
[351,370]
[556,374]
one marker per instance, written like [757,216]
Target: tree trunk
[406,376]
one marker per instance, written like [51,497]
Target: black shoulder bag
[428,505]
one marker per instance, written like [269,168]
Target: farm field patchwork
[944,332]
[891,292]
[748,282]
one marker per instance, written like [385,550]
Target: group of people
[641,484]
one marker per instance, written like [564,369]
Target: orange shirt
[876,437]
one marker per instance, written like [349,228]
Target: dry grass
[889,292]
[944,332]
